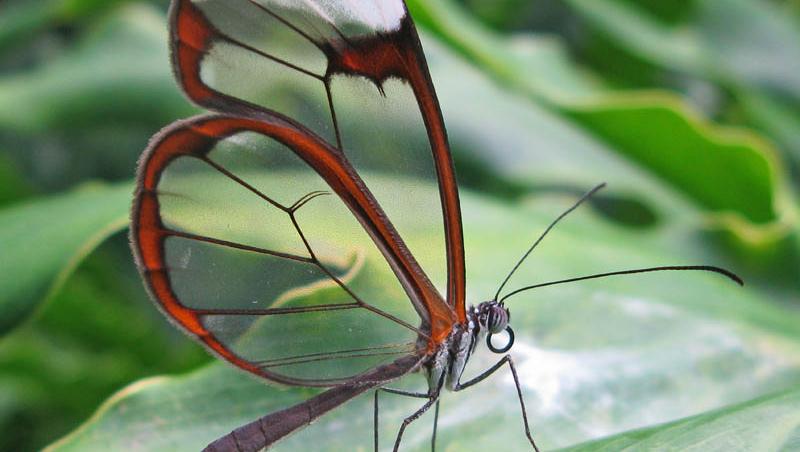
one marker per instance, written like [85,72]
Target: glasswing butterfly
[260,229]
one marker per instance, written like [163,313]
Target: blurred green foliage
[689,109]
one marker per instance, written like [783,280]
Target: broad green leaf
[118,73]
[775,117]
[634,124]
[753,42]
[19,21]
[13,187]
[750,47]
[44,239]
[745,41]
[506,145]
[723,174]
[767,423]
[513,141]
[595,359]
[650,38]
[97,334]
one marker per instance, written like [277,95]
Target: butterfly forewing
[353,73]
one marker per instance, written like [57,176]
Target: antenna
[709,268]
[583,198]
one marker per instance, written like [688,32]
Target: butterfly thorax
[448,363]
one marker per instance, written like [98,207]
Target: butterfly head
[493,317]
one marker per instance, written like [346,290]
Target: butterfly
[260,229]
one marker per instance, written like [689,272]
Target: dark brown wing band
[377,57]
[196,137]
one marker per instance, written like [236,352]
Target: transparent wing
[261,241]
[353,73]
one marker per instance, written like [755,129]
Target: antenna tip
[729,274]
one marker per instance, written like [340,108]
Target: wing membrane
[351,72]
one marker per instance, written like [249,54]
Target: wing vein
[244,184]
[268,56]
[278,311]
[238,246]
[406,347]
[329,358]
[285,22]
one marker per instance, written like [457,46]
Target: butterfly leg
[435,425]
[418,395]
[505,359]
[407,421]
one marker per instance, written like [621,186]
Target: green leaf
[117,73]
[647,37]
[767,423]
[745,181]
[773,115]
[13,187]
[635,125]
[44,239]
[749,42]
[22,20]
[508,146]
[97,334]
[594,358]
[752,48]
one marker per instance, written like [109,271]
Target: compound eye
[497,320]
[504,348]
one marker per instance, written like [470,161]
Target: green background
[688,109]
